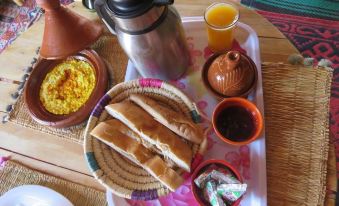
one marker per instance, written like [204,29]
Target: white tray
[252,165]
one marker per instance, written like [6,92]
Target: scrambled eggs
[67,86]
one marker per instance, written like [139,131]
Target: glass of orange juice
[221,19]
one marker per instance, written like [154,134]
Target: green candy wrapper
[231,192]
[219,186]
[205,176]
[210,191]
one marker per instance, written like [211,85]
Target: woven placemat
[116,60]
[15,174]
[297,134]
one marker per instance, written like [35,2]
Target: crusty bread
[121,127]
[173,120]
[137,153]
[142,123]
[167,176]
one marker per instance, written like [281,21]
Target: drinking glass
[221,19]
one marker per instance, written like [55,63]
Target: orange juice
[220,19]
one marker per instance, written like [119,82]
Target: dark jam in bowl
[235,123]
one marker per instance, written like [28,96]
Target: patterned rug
[325,9]
[15,19]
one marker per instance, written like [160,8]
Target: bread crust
[142,123]
[121,127]
[136,152]
[173,120]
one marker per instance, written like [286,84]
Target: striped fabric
[327,9]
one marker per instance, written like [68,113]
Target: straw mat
[109,49]
[297,136]
[15,174]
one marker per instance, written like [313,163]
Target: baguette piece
[118,125]
[121,127]
[138,154]
[173,120]
[142,123]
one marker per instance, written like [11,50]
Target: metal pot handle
[100,7]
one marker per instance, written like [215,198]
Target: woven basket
[123,177]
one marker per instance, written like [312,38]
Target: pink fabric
[3,161]
[147,82]
[181,197]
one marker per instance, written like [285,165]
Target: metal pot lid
[134,8]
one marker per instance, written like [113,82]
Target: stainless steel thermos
[151,34]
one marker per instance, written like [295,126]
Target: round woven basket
[123,177]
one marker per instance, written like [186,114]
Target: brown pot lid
[66,32]
[231,74]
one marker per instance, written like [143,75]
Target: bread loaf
[121,127]
[137,153]
[173,120]
[118,125]
[142,123]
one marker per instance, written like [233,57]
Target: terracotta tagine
[66,33]
[230,74]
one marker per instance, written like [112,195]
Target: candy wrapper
[219,186]
[224,178]
[210,194]
[231,192]
[204,177]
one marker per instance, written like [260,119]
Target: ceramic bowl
[33,84]
[230,74]
[201,168]
[250,108]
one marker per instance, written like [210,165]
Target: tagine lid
[66,33]
[231,74]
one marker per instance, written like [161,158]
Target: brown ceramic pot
[33,84]
[66,33]
[230,74]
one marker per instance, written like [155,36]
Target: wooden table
[63,158]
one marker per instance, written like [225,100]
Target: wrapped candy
[204,177]
[224,178]
[231,192]
[219,186]
[210,191]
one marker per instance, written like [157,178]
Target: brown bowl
[33,84]
[215,87]
[252,111]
